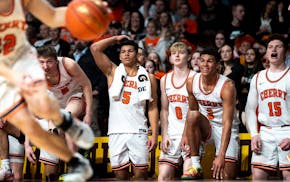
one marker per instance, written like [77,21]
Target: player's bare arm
[192,109]
[102,61]
[78,74]
[42,10]
[164,117]
[153,114]
[251,116]
[228,94]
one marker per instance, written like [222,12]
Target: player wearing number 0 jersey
[211,115]
[174,107]
[267,113]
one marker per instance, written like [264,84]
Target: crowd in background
[237,29]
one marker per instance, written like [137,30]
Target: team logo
[123,79]
[142,78]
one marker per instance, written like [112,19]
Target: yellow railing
[99,155]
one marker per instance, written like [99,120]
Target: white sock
[195,161]
[5,164]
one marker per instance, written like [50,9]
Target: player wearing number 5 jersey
[211,118]
[130,90]
[268,113]
[174,106]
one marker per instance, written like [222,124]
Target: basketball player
[11,153]
[130,88]
[174,106]
[23,88]
[211,118]
[267,113]
[72,89]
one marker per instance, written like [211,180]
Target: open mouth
[274,55]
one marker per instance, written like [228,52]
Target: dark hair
[46,51]
[212,52]
[126,41]
[278,37]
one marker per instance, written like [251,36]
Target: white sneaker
[82,135]
[80,172]
[80,132]
[6,174]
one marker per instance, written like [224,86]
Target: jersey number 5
[126,97]
[7,44]
[274,108]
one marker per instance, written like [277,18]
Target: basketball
[87,19]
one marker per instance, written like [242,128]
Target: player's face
[275,52]
[128,55]
[208,65]
[49,65]
[179,57]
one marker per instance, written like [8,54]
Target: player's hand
[152,143]
[218,166]
[285,144]
[121,37]
[184,144]
[165,143]
[87,119]
[256,144]
[28,85]
[30,154]
[1,123]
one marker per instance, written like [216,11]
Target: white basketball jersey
[211,105]
[273,99]
[178,104]
[128,114]
[66,87]
[13,41]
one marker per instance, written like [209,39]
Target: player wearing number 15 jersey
[174,106]
[211,118]
[268,113]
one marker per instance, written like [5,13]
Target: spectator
[43,35]
[220,39]
[231,68]
[62,47]
[236,27]
[151,40]
[136,26]
[194,62]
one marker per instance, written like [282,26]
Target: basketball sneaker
[80,132]
[80,171]
[6,174]
[192,174]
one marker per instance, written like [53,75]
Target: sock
[5,163]
[195,161]
[67,120]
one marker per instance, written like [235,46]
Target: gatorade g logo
[142,78]
[123,79]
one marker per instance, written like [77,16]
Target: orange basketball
[87,19]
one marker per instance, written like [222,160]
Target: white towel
[119,80]
[143,83]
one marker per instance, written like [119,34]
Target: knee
[194,119]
